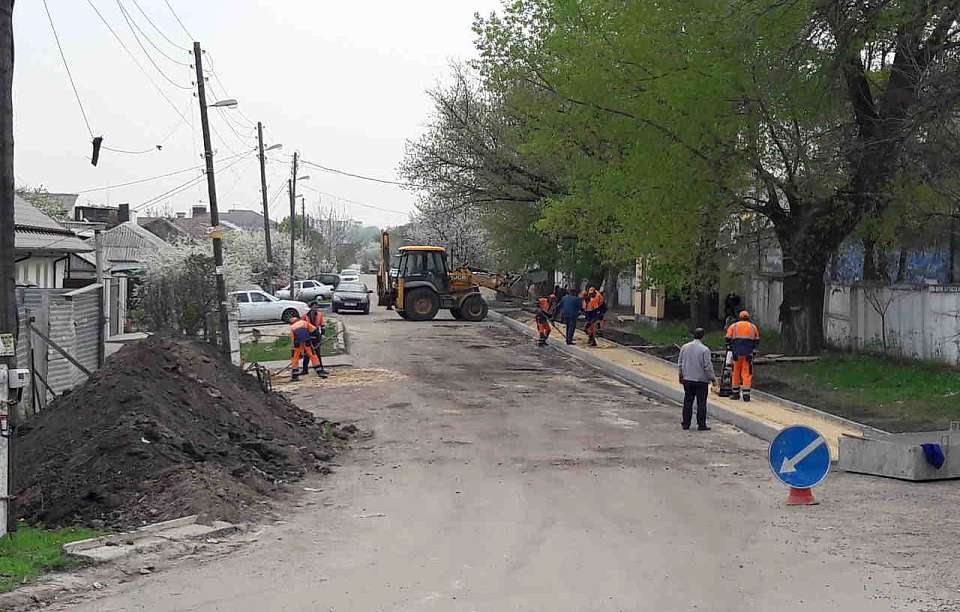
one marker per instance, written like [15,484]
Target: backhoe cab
[422,285]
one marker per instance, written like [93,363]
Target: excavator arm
[385,290]
[464,277]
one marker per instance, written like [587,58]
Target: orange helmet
[744,315]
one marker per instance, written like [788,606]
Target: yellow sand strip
[773,413]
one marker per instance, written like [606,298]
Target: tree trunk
[610,286]
[806,252]
[700,308]
[902,262]
[874,261]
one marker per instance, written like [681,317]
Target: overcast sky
[342,82]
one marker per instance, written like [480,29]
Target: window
[308,284]
[242,298]
[435,265]
[258,297]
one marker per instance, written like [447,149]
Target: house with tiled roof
[42,247]
[197,226]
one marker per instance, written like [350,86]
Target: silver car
[307,291]
[256,305]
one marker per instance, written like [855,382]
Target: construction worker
[543,320]
[315,317]
[592,303]
[300,330]
[742,340]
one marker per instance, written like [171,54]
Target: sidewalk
[763,417]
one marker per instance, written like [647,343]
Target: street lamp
[273,147]
[228,103]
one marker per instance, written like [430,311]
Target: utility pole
[292,187]
[303,217]
[215,231]
[8,271]
[263,191]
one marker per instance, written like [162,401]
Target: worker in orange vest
[315,317]
[592,304]
[742,340]
[300,330]
[543,320]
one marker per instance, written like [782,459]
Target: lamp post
[216,232]
[292,188]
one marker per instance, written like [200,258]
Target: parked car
[307,291]
[351,296]
[328,278]
[349,276]
[256,305]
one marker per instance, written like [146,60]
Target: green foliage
[30,551]
[49,205]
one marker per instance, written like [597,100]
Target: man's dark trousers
[571,329]
[693,390]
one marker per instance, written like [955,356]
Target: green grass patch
[278,349]
[30,552]
[889,394]
[669,333]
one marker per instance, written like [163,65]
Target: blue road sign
[799,457]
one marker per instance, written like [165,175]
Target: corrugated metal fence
[70,318]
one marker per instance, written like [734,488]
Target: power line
[349,201]
[147,179]
[135,61]
[177,17]
[216,76]
[188,184]
[145,35]
[159,31]
[133,31]
[67,67]
[356,176]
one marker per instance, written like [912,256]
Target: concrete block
[901,456]
[147,538]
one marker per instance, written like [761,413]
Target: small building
[42,247]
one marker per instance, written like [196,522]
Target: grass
[889,394]
[279,348]
[669,333]
[30,552]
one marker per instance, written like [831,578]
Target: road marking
[790,463]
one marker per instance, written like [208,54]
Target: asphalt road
[505,477]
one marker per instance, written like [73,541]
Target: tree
[459,230]
[48,204]
[672,116]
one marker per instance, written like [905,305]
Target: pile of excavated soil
[165,429]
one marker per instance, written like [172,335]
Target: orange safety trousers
[742,373]
[298,352]
[544,328]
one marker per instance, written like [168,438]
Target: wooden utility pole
[216,231]
[303,218]
[292,187]
[263,191]
[8,270]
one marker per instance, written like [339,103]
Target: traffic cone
[801,497]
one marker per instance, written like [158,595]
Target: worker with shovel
[543,320]
[300,330]
[315,317]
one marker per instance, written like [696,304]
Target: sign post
[799,458]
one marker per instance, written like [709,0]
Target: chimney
[198,211]
[181,215]
[123,213]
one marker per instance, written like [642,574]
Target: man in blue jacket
[570,307]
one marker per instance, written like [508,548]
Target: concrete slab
[147,538]
[901,456]
[764,417]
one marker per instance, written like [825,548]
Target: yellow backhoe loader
[420,284]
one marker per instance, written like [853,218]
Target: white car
[350,276]
[308,291]
[256,305]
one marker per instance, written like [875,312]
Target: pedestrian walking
[743,337]
[696,374]
[570,307]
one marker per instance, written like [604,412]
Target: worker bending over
[742,339]
[300,330]
[543,320]
[315,317]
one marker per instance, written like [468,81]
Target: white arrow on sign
[790,463]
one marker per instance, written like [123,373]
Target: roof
[35,231]
[405,249]
[249,220]
[193,227]
[130,243]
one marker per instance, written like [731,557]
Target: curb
[341,337]
[667,392]
[147,538]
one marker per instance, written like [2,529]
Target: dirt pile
[164,430]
